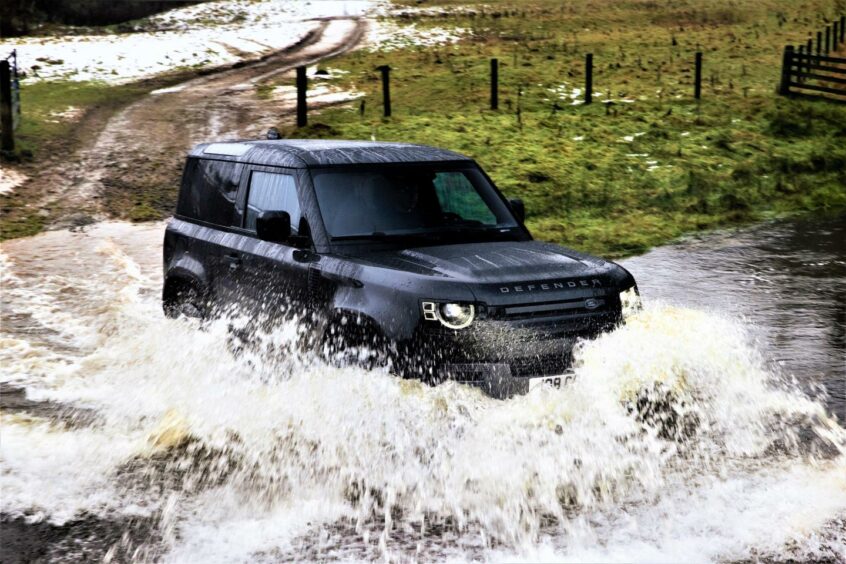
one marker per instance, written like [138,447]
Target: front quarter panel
[391,298]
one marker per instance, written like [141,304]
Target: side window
[458,196]
[270,191]
[208,192]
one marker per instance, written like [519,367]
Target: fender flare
[346,330]
[188,267]
[344,317]
[185,271]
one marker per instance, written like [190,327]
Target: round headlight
[456,316]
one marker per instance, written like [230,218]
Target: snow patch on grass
[204,35]
[387,35]
[317,94]
[70,113]
[630,138]
[10,179]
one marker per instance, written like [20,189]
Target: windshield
[394,201]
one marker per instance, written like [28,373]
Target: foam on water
[243,455]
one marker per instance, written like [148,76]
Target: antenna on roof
[273,134]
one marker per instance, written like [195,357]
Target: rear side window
[270,191]
[209,190]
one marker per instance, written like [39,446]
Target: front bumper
[497,380]
[508,345]
[500,360]
[494,379]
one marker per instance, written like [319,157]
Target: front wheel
[353,342]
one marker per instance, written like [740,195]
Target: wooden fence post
[302,109]
[835,34]
[386,89]
[827,40]
[801,61]
[810,53]
[494,84]
[819,43]
[787,61]
[6,117]
[697,77]
[588,78]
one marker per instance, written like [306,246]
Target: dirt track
[131,166]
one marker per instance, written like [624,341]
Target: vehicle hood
[496,262]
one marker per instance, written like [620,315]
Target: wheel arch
[177,282]
[345,319]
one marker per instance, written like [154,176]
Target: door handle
[234,261]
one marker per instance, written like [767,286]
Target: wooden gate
[816,72]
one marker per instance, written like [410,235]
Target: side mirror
[273,226]
[302,240]
[519,209]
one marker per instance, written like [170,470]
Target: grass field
[52,108]
[611,178]
[654,164]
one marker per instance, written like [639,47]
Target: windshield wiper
[475,229]
[380,236]
[438,233]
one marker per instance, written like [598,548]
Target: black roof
[302,153]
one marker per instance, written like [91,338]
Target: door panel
[268,278]
[207,210]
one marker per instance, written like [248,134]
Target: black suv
[407,251]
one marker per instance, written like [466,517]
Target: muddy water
[785,280]
[127,436]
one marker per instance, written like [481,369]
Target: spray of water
[676,440]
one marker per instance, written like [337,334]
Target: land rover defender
[407,251]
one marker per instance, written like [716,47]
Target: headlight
[452,315]
[631,302]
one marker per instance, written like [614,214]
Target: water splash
[676,440]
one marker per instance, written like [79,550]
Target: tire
[355,342]
[184,298]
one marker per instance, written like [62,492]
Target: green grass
[42,102]
[741,154]
[616,180]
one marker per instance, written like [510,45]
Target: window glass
[406,200]
[208,192]
[458,196]
[270,191]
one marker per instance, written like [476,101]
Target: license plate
[552,381]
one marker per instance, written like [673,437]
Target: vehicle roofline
[463,161]
[305,156]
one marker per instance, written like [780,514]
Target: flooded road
[128,436]
[785,280]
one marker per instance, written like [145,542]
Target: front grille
[521,340]
[578,307]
